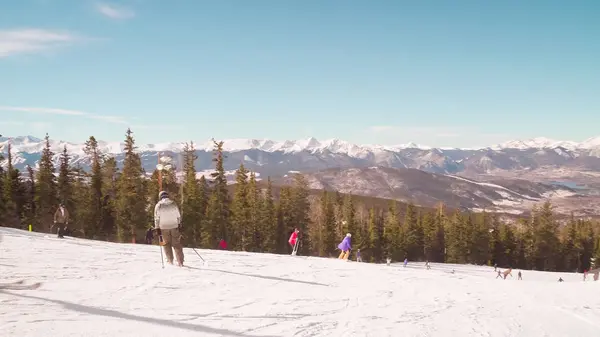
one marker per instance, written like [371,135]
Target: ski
[295,250]
[20,286]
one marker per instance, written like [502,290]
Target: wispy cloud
[33,40]
[114,12]
[84,114]
[52,111]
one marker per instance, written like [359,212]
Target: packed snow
[94,288]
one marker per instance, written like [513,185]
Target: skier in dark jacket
[149,235]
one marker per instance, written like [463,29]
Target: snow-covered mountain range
[30,144]
[538,160]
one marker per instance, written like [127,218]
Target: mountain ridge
[31,144]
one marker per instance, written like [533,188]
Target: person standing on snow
[358,258]
[167,222]
[293,240]
[149,236]
[222,244]
[345,247]
[61,219]
[405,261]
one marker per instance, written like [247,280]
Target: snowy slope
[104,289]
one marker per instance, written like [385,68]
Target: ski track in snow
[95,288]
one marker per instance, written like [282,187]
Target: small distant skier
[167,222]
[345,247]
[585,272]
[507,272]
[495,266]
[61,220]
[519,276]
[405,262]
[499,274]
[222,244]
[293,241]
[149,236]
[427,265]
[560,279]
[358,258]
[389,261]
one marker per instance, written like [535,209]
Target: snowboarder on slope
[167,222]
[61,220]
[405,261]
[222,244]
[427,265]
[293,240]
[358,258]
[345,247]
[388,260]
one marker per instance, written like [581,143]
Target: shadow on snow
[121,315]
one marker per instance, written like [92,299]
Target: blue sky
[440,73]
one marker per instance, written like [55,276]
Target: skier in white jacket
[167,222]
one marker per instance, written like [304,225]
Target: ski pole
[195,251]
[162,260]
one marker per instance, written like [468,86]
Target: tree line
[116,203]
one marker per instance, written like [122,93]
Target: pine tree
[509,246]
[349,220]
[328,225]
[300,211]
[64,183]
[29,206]
[285,220]
[546,243]
[376,237]
[131,200]
[218,208]
[3,200]
[269,219]
[46,194]
[480,239]
[413,238]
[392,237]
[94,226]
[429,236]
[571,246]
[240,234]
[193,206]
[82,214]
[458,238]
[11,191]
[255,225]
[110,177]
